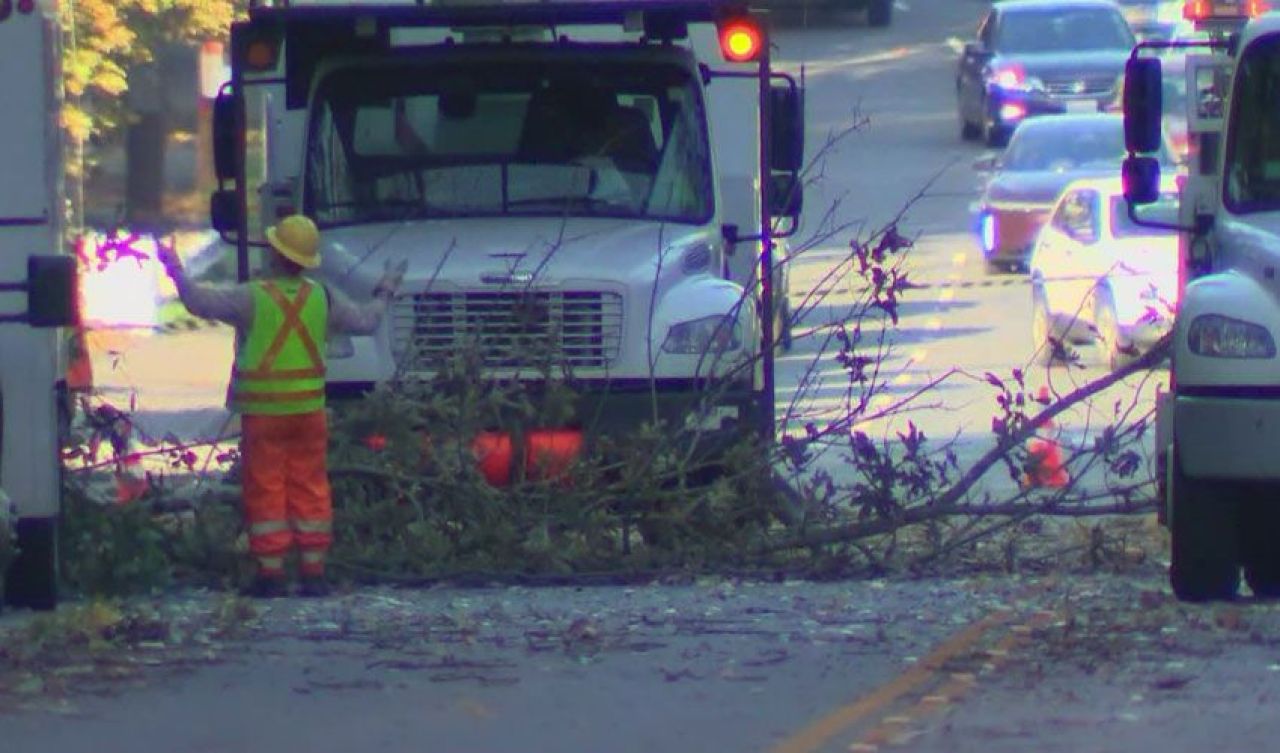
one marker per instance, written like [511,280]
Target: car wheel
[1116,351]
[1204,563]
[1048,347]
[968,131]
[879,13]
[1260,524]
[995,135]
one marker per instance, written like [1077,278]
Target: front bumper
[1008,107]
[1228,433]
[620,407]
[1014,230]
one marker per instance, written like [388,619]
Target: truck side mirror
[786,125]
[1143,105]
[51,291]
[224,212]
[786,195]
[1140,177]
[224,136]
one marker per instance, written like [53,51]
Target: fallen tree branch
[948,504]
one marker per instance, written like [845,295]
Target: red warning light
[740,40]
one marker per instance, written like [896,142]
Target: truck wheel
[879,13]
[1204,562]
[32,580]
[1261,559]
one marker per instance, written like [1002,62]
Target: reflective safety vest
[279,367]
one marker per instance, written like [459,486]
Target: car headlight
[711,334]
[1219,336]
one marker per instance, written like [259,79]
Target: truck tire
[879,13]
[32,580]
[1261,523]
[1204,538]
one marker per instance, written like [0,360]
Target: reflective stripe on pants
[286,482]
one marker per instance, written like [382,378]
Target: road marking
[818,733]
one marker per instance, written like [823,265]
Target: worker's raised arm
[232,304]
[351,318]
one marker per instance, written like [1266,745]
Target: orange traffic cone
[131,480]
[550,452]
[79,374]
[79,364]
[493,452]
[1044,466]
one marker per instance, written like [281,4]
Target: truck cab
[1218,427]
[594,188]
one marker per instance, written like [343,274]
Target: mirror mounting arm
[1204,222]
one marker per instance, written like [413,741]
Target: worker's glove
[392,276]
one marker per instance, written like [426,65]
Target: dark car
[1043,156]
[1039,57]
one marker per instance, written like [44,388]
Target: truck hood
[479,253]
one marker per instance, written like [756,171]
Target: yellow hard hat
[297,239]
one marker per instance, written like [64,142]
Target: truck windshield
[1253,144]
[559,136]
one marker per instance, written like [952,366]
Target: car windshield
[551,136]
[1060,145]
[1059,30]
[1164,211]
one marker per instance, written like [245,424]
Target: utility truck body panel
[31,211]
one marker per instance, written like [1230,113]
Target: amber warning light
[741,40]
[1224,10]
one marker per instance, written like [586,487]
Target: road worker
[277,387]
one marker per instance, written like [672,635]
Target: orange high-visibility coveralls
[278,388]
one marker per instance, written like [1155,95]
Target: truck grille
[1080,86]
[510,329]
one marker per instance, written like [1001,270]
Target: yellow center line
[817,734]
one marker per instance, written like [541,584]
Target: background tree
[114,86]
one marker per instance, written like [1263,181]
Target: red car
[1044,155]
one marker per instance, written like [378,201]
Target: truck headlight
[1219,336]
[711,334]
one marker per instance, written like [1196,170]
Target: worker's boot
[265,587]
[313,586]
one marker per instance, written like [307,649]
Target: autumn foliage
[107,40]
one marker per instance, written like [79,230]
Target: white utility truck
[601,184]
[1218,427]
[36,294]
